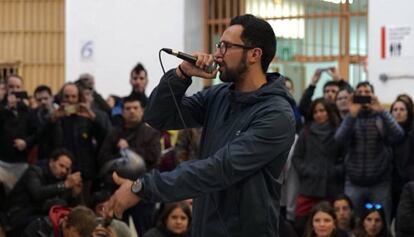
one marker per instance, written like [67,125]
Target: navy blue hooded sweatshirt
[244,146]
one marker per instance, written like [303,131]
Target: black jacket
[80,136]
[405,213]
[162,232]
[318,163]
[40,118]
[142,139]
[15,125]
[403,156]
[34,193]
[245,143]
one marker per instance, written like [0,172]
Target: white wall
[123,33]
[389,13]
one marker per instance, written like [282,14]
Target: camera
[360,99]
[71,109]
[325,69]
[104,222]
[21,95]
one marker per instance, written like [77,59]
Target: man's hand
[354,108]
[77,189]
[58,113]
[122,144]
[72,180]
[333,72]
[20,144]
[86,111]
[198,70]
[11,101]
[375,104]
[122,199]
[316,76]
[101,231]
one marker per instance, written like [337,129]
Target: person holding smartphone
[16,130]
[76,127]
[368,131]
[330,89]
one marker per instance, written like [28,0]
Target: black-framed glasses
[223,46]
[375,206]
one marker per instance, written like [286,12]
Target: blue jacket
[245,143]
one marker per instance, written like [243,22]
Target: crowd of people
[58,151]
[352,162]
[350,171]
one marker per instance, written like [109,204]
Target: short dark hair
[365,83]
[129,99]
[330,83]
[346,88]
[42,88]
[61,152]
[162,222]
[137,69]
[347,199]
[257,33]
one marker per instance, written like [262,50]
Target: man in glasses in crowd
[248,129]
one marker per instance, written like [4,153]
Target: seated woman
[174,221]
[344,210]
[322,222]
[372,222]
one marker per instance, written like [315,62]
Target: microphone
[189,58]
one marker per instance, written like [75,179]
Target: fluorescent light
[338,1]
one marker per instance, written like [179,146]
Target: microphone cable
[185,127]
[180,114]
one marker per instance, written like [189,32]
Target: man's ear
[255,55]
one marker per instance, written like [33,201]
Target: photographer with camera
[76,128]
[16,133]
[368,131]
[41,118]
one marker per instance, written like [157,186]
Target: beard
[230,75]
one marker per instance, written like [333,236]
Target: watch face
[136,186]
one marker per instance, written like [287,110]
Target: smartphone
[20,94]
[104,222]
[360,99]
[71,109]
[325,69]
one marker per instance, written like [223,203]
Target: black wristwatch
[136,187]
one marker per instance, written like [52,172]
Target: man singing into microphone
[248,129]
